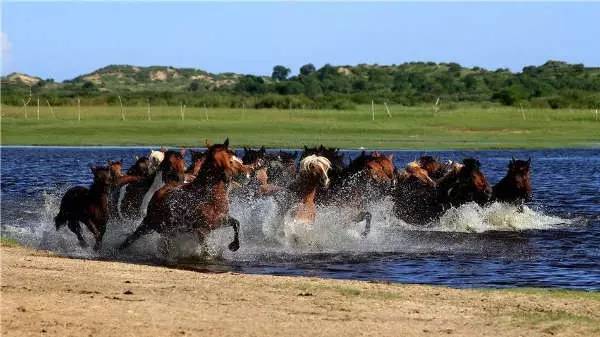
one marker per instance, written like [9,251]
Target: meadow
[421,127]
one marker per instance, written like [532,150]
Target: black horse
[87,205]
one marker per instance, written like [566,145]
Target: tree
[280,73]
[307,69]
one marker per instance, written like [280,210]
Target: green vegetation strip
[463,127]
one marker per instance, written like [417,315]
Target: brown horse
[200,206]
[515,187]
[312,176]
[87,205]
[368,177]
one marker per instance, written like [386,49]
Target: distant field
[464,127]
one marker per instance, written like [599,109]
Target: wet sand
[47,295]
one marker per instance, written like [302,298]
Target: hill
[554,84]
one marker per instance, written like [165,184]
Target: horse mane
[308,164]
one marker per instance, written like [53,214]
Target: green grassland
[460,127]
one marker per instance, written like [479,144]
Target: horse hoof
[234,246]
[83,244]
[97,247]
[364,234]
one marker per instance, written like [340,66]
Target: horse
[415,195]
[466,183]
[515,187]
[258,184]
[332,154]
[368,177]
[156,157]
[138,194]
[419,199]
[281,167]
[312,176]
[87,205]
[200,206]
[435,169]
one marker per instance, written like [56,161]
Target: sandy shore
[46,295]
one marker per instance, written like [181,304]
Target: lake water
[555,242]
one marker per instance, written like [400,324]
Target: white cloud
[5,45]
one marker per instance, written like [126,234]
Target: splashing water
[264,232]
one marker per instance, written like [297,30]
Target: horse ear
[390,157]
[163,149]
[137,158]
[262,149]
[182,151]
[226,142]
[529,161]
[109,162]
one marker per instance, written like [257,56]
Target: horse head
[315,168]
[156,157]
[219,157]
[381,168]
[141,168]
[470,184]
[519,168]
[414,171]
[103,175]
[116,170]
[172,167]
[433,167]
[254,157]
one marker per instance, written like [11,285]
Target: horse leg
[364,215]
[76,228]
[97,234]
[235,244]
[143,229]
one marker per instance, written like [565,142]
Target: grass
[465,127]
[8,242]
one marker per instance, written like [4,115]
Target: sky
[62,40]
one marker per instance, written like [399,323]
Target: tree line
[554,84]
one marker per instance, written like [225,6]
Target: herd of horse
[170,196]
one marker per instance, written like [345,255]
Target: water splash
[265,234]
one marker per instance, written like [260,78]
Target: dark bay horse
[418,199]
[200,206]
[515,187]
[87,205]
[466,183]
[368,177]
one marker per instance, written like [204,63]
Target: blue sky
[65,39]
